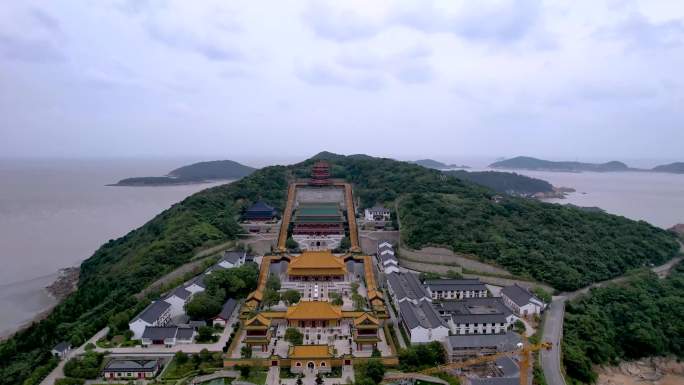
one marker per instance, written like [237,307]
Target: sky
[129,78]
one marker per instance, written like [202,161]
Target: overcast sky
[556,79]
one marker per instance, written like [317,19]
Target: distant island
[529,163]
[431,163]
[194,173]
[512,184]
[675,168]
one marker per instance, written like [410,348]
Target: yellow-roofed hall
[317,265]
[313,314]
[311,357]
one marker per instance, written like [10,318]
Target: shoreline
[46,296]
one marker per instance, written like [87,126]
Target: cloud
[325,75]
[408,66]
[503,22]
[339,25]
[640,33]
[421,73]
[45,20]
[28,49]
[212,49]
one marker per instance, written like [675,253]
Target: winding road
[553,323]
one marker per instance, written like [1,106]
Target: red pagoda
[320,174]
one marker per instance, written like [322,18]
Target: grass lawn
[178,371]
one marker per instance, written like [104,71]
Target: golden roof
[313,310]
[310,351]
[317,262]
[366,317]
[258,321]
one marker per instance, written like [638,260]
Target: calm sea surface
[54,214]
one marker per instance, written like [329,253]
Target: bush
[69,381]
[87,366]
[294,336]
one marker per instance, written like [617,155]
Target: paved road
[553,324]
[58,372]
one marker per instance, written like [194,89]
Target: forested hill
[528,163]
[641,317]
[548,242]
[675,168]
[430,163]
[194,173]
[504,182]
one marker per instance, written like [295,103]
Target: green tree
[271,297]
[245,370]
[336,299]
[319,379]
[273,282]
[181,357]
[291,244]
[373,369]
[246,352]
[294,336]
[203,306]
[205,334]
[291,296]
[345,243]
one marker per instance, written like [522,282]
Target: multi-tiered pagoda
[320,174]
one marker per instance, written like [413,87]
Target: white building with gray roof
[177,299]
[167,335]
[387,261]
[461,347]
[232,259]
[226,313]
[157,313]
[486,315]
[522,301]
[406,287]
[422,322]
[456,288]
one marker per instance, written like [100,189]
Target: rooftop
[180,292]
[309,351]
[407,285]
[153,311]
[503,342]
[477,310]
[420,315]
[234,257]
[455,284]
[139,365]
[518,294]
[313,310]
[317,262]
[260,206]
[227,309]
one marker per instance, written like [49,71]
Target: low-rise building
[521,301]
[422,322]
[310,357]
[366,332]
[231,259]
[167,335]
[226,312]
[486,315]
[197,284]
[259,212]
[177,299]
[157,313]
[61,349]
[131,369]
[377,213]
[406,287]
[462,347]
[456,288]
[387,260]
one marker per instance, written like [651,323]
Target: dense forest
[516,233]
[638,318]
[504,182]
[564,246]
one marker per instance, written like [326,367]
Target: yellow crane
[524,362]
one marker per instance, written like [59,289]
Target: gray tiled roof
[455,284]
[233,256]
[502,342]
[387,258]
[62,347]
[122,365]
[507,366]
[517,294]
[407,285]
[159,332]
[199,281]
[228,309]
[181,293]
[420,315]
[475,310]
[153,311]
[184,333]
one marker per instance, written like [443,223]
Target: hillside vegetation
[504,182]
[528,163]
[638,318]
[564,246]
[437,209]
[196,172]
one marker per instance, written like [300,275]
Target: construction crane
[523,352]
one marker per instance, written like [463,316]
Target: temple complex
[316,266]
[318,226]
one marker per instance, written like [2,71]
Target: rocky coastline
[556,193]
[65,284]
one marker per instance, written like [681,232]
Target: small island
[431,163]
[673,168]
[195,173]
[529,163]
